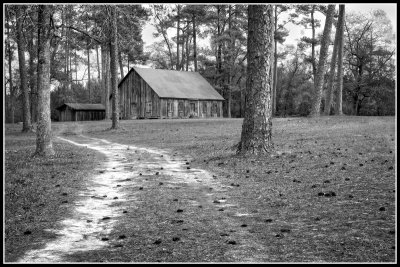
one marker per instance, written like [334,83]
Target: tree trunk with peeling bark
[26,126]
[339,82]
[113,68]
[44,144]
[319,78]
[257,123]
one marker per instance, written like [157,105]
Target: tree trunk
[183,51]
[314,65]
[219,48]
[319,78]
[339,82]
[177,37]
[329,94]
[121,67]
[257,123]
[32,78]
[70,66]
[230,63]
[98,63]
[76,65]
[104,81]
[275,64]
[44,145]
[67,48]
[194,43]
[27,126]
[108,79]
[113,68]
[187,48]
[10,56]
[356,105]
[88,59]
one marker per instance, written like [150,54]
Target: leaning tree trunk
[257,123]
[113,67]
[26,126]
[319,78]
[329,94]
[44,145]
[339,82]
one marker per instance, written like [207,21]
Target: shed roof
[82,106]
[177,84]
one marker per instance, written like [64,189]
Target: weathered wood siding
[138,100]
[69,114]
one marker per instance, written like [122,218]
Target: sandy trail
[101,203]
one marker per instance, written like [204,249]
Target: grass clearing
[276,213]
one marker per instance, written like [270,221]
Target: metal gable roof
[81,106]
[178,84]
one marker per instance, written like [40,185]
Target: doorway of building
[181,109]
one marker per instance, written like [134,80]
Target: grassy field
[326,193]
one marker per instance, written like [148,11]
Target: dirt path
[103,201]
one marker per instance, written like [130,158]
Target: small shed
[155,93]
[81,112]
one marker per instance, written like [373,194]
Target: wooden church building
[81,112]
[155,93]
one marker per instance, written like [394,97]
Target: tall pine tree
[257,123]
